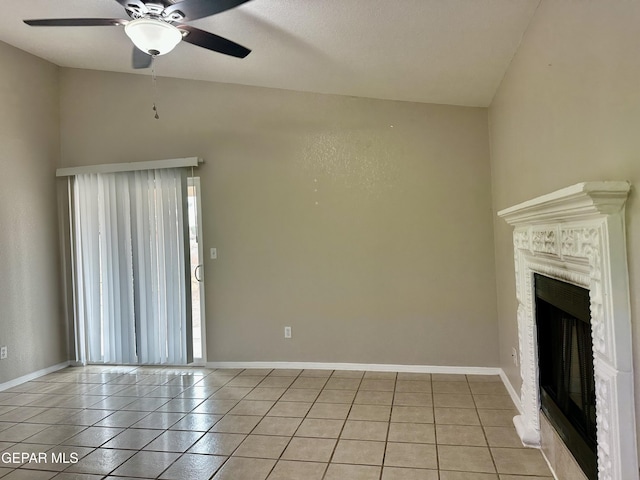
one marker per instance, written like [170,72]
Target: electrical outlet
[3,352]
[287,332]
[514,355]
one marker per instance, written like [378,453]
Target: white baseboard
[30,376]
[370,367]
[512,391]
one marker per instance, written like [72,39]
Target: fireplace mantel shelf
[571,203]
[577,235]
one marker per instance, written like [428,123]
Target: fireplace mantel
[577,235]
[572,203]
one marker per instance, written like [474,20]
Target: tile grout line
[326,471]
[265,416]
[386,439]
[435,429]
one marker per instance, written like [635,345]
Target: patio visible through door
[197,269]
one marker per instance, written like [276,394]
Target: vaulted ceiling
[434,51]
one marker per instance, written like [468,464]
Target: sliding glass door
[133,297]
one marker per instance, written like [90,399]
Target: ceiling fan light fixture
[154,37]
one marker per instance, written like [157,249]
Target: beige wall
[31,324]
[363,224]
[567,111]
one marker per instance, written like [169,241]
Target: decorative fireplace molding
[577,235]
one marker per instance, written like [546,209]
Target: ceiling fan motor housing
[152,10]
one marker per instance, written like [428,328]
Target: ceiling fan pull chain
[155,89]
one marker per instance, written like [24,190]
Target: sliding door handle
[195,273]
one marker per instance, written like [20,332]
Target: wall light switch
[287,332]
[213,253]
[3,353]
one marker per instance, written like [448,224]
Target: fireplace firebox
[567,383]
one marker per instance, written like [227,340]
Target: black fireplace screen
[567,385]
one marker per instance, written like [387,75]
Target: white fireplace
[577,235]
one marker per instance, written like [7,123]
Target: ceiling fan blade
[194,9]
[207,40]
[77,22]
[139,59]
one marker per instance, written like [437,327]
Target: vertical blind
[132,297]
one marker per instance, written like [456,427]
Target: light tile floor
[196,424]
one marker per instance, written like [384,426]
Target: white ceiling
[435,51]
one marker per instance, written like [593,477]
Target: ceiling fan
[156,27]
